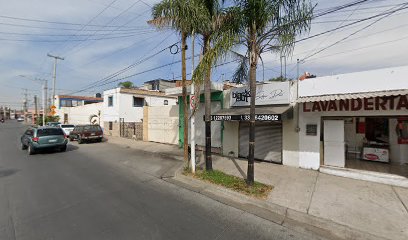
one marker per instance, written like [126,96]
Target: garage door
[268,141]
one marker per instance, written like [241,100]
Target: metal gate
[268,141]
[131,129]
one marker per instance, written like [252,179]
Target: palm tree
[183,16]
[218,37]
[268,25]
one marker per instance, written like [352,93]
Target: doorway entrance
[370,143]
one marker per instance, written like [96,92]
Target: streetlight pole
[55,75]
[44,99]
[44,94]
[192,107]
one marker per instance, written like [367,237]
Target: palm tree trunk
[184,94]
[252,88]
[207,101]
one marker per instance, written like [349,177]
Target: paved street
[90,192]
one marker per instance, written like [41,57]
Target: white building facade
[357,121]
[126,105]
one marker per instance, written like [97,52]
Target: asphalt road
[104,191]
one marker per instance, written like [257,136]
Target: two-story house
[124,106]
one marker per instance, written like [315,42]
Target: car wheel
[99,140]
[30,150]
[80,141]
[23,147]
[64,148]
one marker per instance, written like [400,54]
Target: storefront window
[376,129]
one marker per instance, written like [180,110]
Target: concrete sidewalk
[342,207]
[373,208]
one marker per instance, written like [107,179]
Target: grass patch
[258,190]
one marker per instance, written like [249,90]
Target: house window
[66,103]
[138,102]
[110,101]
[166,102]
[110,125]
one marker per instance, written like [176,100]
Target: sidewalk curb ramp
[284,216]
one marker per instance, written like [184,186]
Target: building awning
[272,114]
[333,97]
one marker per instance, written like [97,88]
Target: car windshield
[92,128]
[49,131]
[67,126]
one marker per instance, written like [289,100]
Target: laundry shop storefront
[273,110]
[355,134]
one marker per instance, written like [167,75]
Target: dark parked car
[35,139]
[85,133]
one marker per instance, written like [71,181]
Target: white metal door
[334,154]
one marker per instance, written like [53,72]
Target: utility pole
[25,100]
[44,99]
[192,107]
[297,129]
[35,108]
[55,75]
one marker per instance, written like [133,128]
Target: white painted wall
[200,126]
[111,114]
[367,81]
[80,114]
[123,105]
[163,124]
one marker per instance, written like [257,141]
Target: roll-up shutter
[268,141]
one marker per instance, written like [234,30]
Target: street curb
[281,215]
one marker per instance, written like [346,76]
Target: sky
[97,38]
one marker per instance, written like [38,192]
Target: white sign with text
[266,94]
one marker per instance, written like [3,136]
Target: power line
[350,24]
[110,21]
[79,35]
[97,15]
[120,50]
[360,48]
[73,40]
[355,32]
[74,29]
[113,75]
[118,28]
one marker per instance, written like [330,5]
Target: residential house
[123,110]
[79,109]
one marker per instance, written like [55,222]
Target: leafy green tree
[39,120]
[268,25]
[218,36]
[127,84]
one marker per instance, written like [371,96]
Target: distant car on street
[67,128]
[86,133]
[35,139]
[20,119]
[52,124]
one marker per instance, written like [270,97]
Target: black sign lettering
[246,117]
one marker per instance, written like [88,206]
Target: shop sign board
[246,117]
[359,104]
[266,94]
